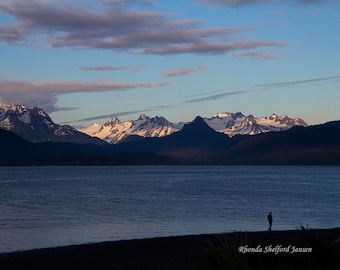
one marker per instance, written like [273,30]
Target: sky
[87,61]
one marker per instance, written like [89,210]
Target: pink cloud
[64,87]
[128,2]
[102,68]
[113,68]
[257,55]
[62,25]
[249,2]
[210,47]
[44,94]
[183,71]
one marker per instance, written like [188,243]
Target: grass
[223,253]
[308,250]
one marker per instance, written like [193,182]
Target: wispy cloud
[210,47]
[262,2]
[183,71]
[64,87]
[161,107]
[106,116]
[209,96]
[128,2]
[62,25]
[44,94]
[111,68]
[258,55]
[124,113]
[214,97]
[104,68]
[270,86]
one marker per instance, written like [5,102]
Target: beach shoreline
[181,252]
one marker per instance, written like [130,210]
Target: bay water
[52,206]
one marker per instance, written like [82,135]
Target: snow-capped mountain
[113,131]
[236,123]
[34,125]
[231,124]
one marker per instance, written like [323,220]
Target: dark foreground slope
[313,145]
[194,144]
[220,251]
[16,151]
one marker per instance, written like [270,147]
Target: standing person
[270,221]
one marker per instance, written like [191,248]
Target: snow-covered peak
[143,117]
[234,124]
[33,124]
[228,123]
[228,114]
[8,114]
[273,117]
[114,131]
[65,130]
[238,115]
[286,120]
[13,108]
[221,115]
[113,121]
[90,129]
[5,108]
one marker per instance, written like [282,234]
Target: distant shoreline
[184,252]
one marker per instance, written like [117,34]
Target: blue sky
[87,61]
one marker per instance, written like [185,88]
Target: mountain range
[196,142]
[231,124]
[34,125]
[114,131]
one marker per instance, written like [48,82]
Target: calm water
[54,206]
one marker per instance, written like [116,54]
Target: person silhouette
[270,221]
